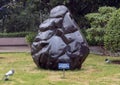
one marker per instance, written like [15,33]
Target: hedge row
[16,34]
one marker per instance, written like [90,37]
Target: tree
[32,8]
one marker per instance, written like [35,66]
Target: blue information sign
[63,66]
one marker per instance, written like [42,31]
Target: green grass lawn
[93,72]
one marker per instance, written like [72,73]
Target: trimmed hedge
[16,34]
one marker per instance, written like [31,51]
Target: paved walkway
[14,49]
[20,41]
[14,45]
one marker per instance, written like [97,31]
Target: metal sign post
[63,66]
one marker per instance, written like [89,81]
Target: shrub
[30,38]
[105,10]
[112,34]
[98,22]
[95,36]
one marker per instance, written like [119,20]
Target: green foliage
[112,34]
[15,34]
[98,22]
[101,18]
[57,2]
[22,16]
[95,36]
[94,19]
[30,38]
[106,9]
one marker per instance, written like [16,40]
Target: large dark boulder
[59,40]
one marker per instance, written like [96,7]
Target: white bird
[107,60]
[9,73]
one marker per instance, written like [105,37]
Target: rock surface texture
[59,40]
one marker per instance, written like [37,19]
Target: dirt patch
[2,57]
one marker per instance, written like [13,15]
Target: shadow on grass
[115,61]
[58,70]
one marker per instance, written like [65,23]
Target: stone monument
[59,40]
